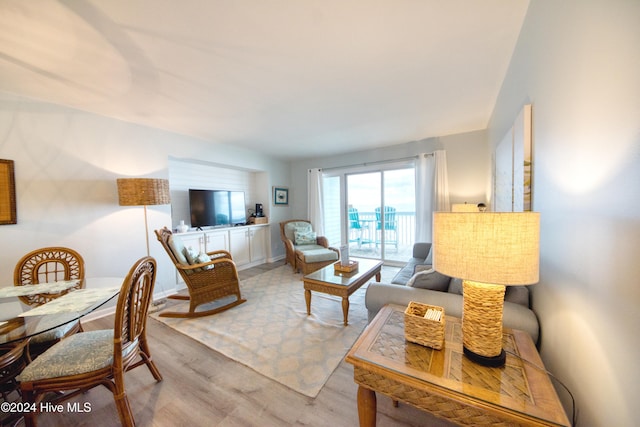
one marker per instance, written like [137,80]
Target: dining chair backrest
[132,308]
[47,265]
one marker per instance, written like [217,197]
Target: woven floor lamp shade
[143,192]
[488,251]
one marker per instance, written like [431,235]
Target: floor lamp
[143,192]
[488,251]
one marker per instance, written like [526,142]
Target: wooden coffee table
[446,383]
[328,281]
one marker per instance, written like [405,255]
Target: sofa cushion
[405,273]
[429,279]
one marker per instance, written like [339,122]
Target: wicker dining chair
[47,265]
[83,361]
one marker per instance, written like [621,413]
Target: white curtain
[314,204]
[432,191]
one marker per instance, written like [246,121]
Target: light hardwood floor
[204,388]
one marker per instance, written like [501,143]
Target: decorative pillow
[197,258]
[422,267]
[299,226]
[202,258]
[191,255]
[177,247]
[430,279]
[305,238]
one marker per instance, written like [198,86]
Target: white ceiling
[296,77]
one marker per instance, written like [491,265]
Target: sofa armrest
[379,294]
[421,250]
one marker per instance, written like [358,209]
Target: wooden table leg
[378,276]
[345,309]
[307,297]
[367,407]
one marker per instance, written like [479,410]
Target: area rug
[272,334]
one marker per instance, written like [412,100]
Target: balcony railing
[370,238]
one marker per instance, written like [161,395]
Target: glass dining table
[19,321]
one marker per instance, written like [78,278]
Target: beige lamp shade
[492,247]
[143,191]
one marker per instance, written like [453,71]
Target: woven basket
[420,330]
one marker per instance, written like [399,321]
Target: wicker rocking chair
[207,282]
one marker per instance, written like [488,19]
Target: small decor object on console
[182,227]
[424,325]
[258,220]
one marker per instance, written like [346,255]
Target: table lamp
[488,251]
[143,192]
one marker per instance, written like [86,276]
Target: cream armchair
[304,249]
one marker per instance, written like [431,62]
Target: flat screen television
[216,208]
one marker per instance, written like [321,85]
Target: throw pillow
[299,226]
[191,255]
[177,247]
[429,279]
[202,258]
[305,238]
[456,286]
[422,267]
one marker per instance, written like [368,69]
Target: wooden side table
[446,383]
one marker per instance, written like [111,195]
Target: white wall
[66,165]
[578,63]
[468,164]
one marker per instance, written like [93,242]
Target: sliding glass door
[372,211]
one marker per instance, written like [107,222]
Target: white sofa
[435,289]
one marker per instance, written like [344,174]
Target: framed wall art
[7,193]
[513,191]
[280,196]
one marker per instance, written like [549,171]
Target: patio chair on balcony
[355,227]
[390,228]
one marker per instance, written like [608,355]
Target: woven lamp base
[482,322]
